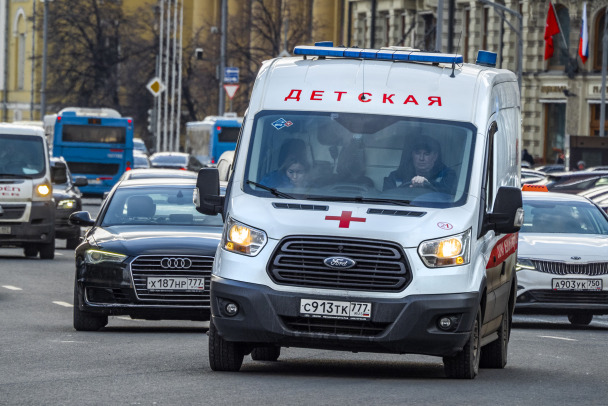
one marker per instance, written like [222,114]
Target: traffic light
[151,120]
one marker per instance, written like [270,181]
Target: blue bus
[208,139]
[96,144]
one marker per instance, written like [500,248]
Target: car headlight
[523,263]
[242,239]
[42,191]
[448,251]
[66,204]
[97,256]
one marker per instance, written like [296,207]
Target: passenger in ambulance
[350,169]
[423,167]
[293,173]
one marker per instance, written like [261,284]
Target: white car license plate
[176,284]
[576,284]
[5,229]
[94,181]
[335,310]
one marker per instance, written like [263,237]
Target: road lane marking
[11,287]
[128,318]
[559,338]
[64,304]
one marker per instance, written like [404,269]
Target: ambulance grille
[380,266]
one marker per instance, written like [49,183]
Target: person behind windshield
[424,168]
[292,173]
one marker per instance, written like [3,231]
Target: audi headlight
[66,204]
[523,263]
[448,251]
[242,239]
[97,256]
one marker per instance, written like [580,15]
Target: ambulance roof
[373,83]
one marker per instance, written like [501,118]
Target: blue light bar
[382,54]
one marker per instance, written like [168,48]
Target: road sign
[155,86]
[231,90]
[231,75]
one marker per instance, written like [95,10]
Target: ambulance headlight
[449,251]
[242,239]
[43,190]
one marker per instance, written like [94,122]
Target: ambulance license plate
[157,284]
[331,309]
[5,229]
[576,284]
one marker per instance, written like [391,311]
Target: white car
[562,264]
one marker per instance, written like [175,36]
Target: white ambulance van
[374,205]
[27,208]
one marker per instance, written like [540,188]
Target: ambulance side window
[489,181]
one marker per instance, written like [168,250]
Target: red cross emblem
[345,218]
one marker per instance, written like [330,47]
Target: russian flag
[583,43]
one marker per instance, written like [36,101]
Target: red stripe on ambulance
[503,249]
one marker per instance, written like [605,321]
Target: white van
[27,208]
[373,206]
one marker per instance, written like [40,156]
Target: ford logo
[339,262]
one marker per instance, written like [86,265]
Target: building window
[484,27]
[560,50]
[594,125]
[429,25]
[555,131]
[598,34]
[20,61]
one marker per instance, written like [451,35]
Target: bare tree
[267,28]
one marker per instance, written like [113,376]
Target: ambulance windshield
[360,157]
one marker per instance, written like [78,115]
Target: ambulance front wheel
[465,364]
[224,355]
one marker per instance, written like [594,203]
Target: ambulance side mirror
[207,197]
[508,213]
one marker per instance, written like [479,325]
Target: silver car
[562,265]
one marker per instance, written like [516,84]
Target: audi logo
[176,263]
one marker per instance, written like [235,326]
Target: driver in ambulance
[424,168]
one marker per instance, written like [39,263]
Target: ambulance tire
[224,355]
[465,364]
[30,251]
[47,251]
[580,319]
[266,353]
[494,355]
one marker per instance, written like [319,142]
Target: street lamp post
[45,29]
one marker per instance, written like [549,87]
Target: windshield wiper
[360,199]
[271,190]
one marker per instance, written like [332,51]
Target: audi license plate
[5,229]
[176,284]
[331,309]
[576,284]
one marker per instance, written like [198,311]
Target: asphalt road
[44,361]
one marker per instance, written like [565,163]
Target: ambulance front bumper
[407,325]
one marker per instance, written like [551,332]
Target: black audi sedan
[68,200]
[148,255]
